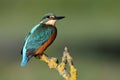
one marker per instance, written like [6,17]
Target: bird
[40,37]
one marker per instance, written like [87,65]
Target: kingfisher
[40,37]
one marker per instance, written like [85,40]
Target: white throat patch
[51,22]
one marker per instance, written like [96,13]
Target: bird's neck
[51,22]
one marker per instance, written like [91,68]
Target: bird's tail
[24,60]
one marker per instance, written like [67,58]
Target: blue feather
[36,37]
[24,61]
[39,37]
[24,56]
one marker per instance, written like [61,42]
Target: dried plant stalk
[61,67]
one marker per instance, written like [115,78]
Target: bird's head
[50,19]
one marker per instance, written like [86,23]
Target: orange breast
[42,48]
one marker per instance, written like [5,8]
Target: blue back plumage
[36,37]
[39,37]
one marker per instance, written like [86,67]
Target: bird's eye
[48,16]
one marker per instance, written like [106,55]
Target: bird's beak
[59,17]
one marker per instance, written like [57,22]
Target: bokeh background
[91,30]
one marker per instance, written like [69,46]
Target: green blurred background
[91,30]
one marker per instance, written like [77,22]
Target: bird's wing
[33,29]
[37,38]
